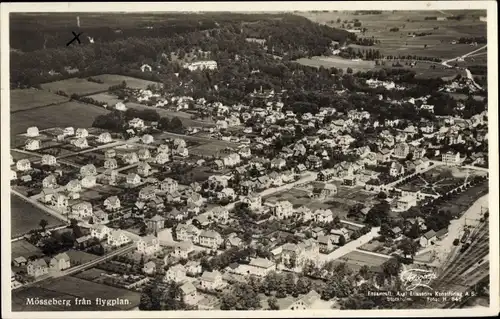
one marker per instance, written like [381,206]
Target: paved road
[467,71]
[94,262]
[40,155]
[82,267]
[113,144]
[350,246]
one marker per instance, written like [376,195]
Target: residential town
[263,204]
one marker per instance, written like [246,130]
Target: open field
[464,200]
[75,86]
[25,217]
[71,288]
[32,98]
[25,249]
[337,62]
[437,44]
[111,100]
[422,69]
[68,114]
[114,79]
[80,256]
[90,274]
[357,259]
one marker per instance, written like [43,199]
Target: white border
[491,8]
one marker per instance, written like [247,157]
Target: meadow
[75,86]
[25,249]
[25,217]
[26,99]
[134,83]
[61,115]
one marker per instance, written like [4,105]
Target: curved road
[467,71]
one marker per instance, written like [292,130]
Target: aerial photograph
[298,160]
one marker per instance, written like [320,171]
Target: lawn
[464,200]
[114,79]
[438,179]
[358,259]
[61,115]
[32,98]
[80,256]
[337,62]
[25,249]
[75,86]
[25,217]
[71,288]
[90,274]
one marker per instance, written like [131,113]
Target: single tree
[43,223]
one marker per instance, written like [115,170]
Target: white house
[450,158]
[82,133]
[49,160]
[32,131]
[37,268]
[117,238]
[136,123]
[89,181]
[105,138]
[183,249]
[211,280]
[80,142]
[175,273]
[200,65]
[49,182]
[60,262]
[131,158]
[69,131]
[133,179]
[148,245]
[120,107]
[82,209]
[162,158]
[23,165]
[282,209]
[32,144]
[88,169]
[112,203]
[100,231]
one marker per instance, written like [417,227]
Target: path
[467,71]
[350,246]
[41,206]
[116,143]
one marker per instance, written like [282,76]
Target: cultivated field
[25,217]
[65,114]
[25,249]
[71,288]
[75,86]
[134,83]
[437,44]
[32,98]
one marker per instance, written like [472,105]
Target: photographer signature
[414,278]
